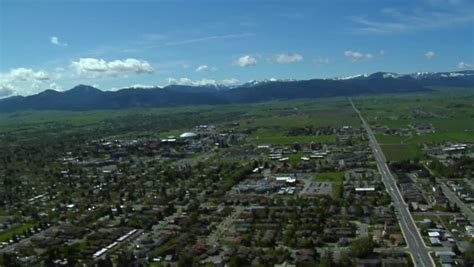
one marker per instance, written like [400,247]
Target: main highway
[415,243]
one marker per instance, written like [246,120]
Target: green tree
[325,262]
[469,255]
[345,260]
[362,247]
[185,261]
[107,262]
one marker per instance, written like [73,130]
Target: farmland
[449,110]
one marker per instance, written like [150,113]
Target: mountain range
[84,97]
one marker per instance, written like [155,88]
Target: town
[250,191]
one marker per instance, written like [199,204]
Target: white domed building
[188,135]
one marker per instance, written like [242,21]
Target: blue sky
[116,44]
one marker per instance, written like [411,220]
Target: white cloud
[93,67]
[324,61]
[203,68]
[6,90]
[246,61]
[55,86]
[23,74]
[429,55]
[201,82]
[208,38]
[356,56]
[143,86]
[418,18]
[231,81]
[284,58]
[382,52]
[55,41]
[463,65]
[187,81]
[135,86]
[22,81]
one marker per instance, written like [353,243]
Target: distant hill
[84,97]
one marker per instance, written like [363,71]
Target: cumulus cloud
[201,82]
[463,65]
[142,86]
[203,68]
[429,55]
[356,56]
[135,86]
[23,74]
[55,41]
[284,58]
[187,81]
[93,67]
[323,61]
[55,86]
[231,81]
[6,90]
[246,61]
[22,81]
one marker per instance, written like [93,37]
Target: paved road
[222,227]
[363,230]
[415,243]
[454,198]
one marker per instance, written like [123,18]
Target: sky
[115,44]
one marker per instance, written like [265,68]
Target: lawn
[5,236]
[335,177]
[396,152]
[34,127]
[288,140]
[449,110]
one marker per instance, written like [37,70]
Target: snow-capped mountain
[84,97]
[468,74]
[424,75]
[351,77]
[253,83]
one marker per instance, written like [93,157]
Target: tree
[362,247]
[9,260]
[51,255]
[107,262]
[469,255]
[235,261]
[185,261]
[345,260]
[326,262]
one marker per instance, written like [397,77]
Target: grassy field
[335,177]
[449,110]
[398,152]
[275,117]
[273,124]
[5,236]
[288,140]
